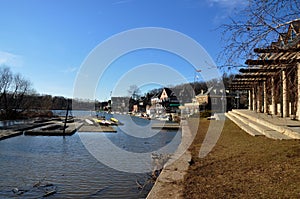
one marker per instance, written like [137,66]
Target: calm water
[64,164]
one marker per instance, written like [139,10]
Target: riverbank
[242,166]
[169,182]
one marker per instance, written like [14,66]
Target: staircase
[259,124]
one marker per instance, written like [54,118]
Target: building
[120,104]
[214,99]
[164,102]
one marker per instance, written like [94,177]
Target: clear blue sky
[47,41]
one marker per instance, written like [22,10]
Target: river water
[32,165]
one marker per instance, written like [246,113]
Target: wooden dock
[55,129]
[89,125]
[4,134]
[16,130]
[90,128]
[166,125]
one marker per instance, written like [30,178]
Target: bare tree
[134,92]
[13,89]
[257,25]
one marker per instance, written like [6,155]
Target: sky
[50,42]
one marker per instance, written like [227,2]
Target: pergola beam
[258,70]
[276,50]
[240,88]
[272,62]
[260,76]
[248,80]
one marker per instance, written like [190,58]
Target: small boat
[114,120]
[105,122]
[102,121]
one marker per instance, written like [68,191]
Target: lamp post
[195,76]
[194,100]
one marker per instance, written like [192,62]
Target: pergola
[276,70]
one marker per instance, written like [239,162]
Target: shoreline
[169,183]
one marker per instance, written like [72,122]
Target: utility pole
[66,118]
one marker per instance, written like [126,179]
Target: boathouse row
[273,79]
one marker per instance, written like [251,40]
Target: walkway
[260,124]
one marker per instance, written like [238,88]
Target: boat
[105,122]
[102,121]
[114,120]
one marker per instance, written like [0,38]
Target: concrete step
[250,125]
[276,135]
[264,120]
[245,127]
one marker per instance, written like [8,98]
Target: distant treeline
[18,98]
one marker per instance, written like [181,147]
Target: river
[32,165]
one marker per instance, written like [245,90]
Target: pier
[88,128]
[166,125]
[4,134]
[55,127]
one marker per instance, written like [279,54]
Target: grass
[242,166]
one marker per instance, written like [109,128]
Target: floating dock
[55,129]
[4,134]
[16,130]
[166,125]
[90,128]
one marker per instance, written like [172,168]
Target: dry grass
[242,166]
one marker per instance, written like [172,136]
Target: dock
[90,128]
[4,134]
[90,125]
[16,130]
[166,125]
[55,129]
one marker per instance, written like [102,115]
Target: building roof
[214,90]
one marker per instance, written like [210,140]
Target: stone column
[250,107]
[298,91]
[273,93]
[265,97]
[253,99]
[258,95]
[285,104]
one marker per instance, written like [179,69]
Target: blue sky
[47,41]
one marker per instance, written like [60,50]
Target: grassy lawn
[242,166]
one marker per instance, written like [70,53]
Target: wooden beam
[276,50]
[240,88]
[258,70]
[272,62]
[248,79]
[260,76]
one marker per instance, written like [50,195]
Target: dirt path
[242,166]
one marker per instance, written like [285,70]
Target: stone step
[262,119]
[250,125]
[243,125]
